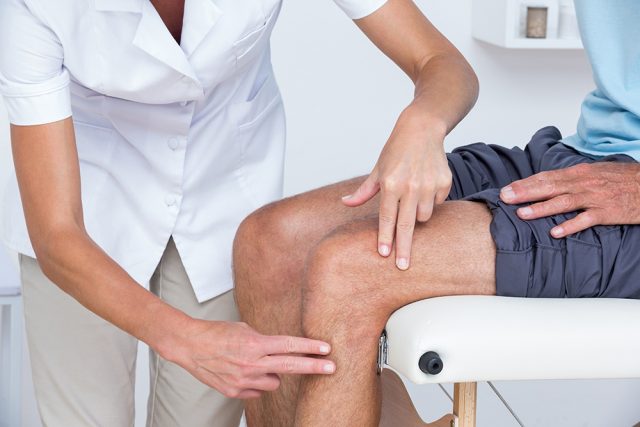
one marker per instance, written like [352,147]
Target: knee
[339,292]
[265,244]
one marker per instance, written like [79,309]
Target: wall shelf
[499,22]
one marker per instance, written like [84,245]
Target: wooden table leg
[397,407]
[464,403]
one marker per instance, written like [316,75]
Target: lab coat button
[170,200]
[173,143]
[184,103]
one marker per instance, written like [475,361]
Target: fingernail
[329,368]
[507,192]
[402,263]
[384,250]
[325,349]
[557,232]
[347,197]
[525,211]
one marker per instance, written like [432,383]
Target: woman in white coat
[143,132]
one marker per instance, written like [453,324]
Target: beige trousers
[84,367]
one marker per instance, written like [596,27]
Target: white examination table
[465,339]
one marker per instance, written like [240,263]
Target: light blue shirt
[610,118]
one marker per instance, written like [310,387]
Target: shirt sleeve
[33,80]
[357,9]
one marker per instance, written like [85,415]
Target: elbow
[472,81]
[466,75]
[52,243]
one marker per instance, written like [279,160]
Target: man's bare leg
[350,292]
[269,259]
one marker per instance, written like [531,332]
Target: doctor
[143,132]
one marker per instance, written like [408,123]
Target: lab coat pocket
[252,45]
[260,136]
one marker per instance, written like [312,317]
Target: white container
[503,23]
[568,21]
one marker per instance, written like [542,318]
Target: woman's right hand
[241,363]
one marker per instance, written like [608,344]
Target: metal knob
[430,363]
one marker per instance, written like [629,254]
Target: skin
[345,267]
[270,253]
[412,173]
[606,193]
[230,357]
[309,254]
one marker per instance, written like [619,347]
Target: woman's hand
[241,363]
[605,193]
[412,176]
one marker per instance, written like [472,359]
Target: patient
[540,222]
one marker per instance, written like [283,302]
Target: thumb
[365,192]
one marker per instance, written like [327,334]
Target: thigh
[453,254]
[83,366]
[313,214]
[176,397]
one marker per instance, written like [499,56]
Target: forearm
[82,269]
[446,90]
[445,85]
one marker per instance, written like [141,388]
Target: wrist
[423,120]
[168,332]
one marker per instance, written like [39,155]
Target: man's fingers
[365,192]
[285,344]
[297,365]
[541,186]
[556,205]
[387,222]
[580,222]
[404,231]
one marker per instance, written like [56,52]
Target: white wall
[342,99]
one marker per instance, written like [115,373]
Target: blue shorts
[603,261]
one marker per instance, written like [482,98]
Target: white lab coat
[173,140]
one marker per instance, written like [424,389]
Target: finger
[365,192]
[404,231]
[387,222]
[280,344]
[441,196]
[297,365]
[578,223]
[541,186]
[268,382]
[249,394]
[425,210]
[556,205]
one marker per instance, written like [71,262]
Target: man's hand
[606,193]
[412,175]
[241,363]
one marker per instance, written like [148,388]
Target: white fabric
[183,140]
[481,338]
[356,9]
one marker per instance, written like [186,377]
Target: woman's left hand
[412,176]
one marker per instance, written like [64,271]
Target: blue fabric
[610,119]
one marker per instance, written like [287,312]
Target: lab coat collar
[200,16]
[119,5]
[152,36]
